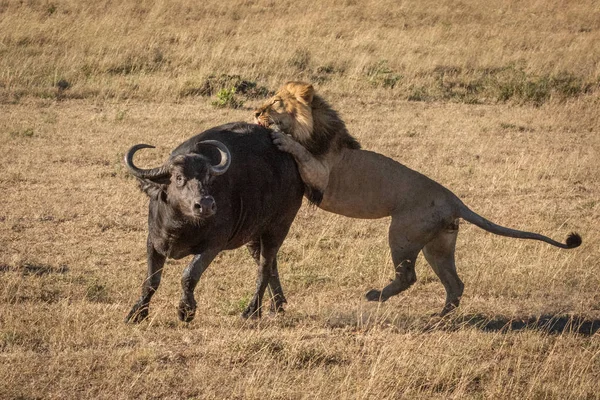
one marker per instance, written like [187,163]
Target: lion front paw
[282,141]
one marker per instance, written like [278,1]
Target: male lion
[363,184]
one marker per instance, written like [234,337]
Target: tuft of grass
[300,60]
[379,74]
[236,307]
[227,98]
[97,292]
[26,133]
[215,84]
[515,127]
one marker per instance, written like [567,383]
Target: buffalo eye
[179,180]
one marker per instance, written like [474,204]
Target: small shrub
[227,98]
[326,69]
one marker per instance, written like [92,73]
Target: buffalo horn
[222,167]
[154,173]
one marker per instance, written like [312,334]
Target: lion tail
[573,240]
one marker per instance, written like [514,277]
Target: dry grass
[474,51]
[72,225]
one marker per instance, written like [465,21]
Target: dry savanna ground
[499,101]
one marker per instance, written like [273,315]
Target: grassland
[496,100]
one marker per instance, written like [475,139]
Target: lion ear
[304,92]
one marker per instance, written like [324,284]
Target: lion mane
[308,118]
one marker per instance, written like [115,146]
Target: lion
[363,184]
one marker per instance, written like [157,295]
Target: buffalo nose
[206,205]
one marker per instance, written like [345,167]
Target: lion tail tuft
[573,240]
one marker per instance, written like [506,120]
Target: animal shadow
[27,269]
[547,323]
[555,324]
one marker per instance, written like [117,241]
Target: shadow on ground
[548,323]
[34,269]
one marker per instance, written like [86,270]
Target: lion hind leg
[439,253]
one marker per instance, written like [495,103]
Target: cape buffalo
[219,190]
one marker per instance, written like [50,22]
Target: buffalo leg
[191,275]
[439,253]
[156,261]
[275,288]
[267,263]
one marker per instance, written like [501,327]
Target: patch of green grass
[214,84]
[120,115]
[226,98]
[380,74]
[236,307]
[26,133]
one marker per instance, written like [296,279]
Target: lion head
[310,120]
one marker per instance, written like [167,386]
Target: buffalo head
[184,180]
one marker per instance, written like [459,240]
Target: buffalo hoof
[186,312]
[137,314]
[275,309]
[375,295]
[251,312]
[448,308]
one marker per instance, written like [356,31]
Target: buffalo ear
[153,189]
[304,92]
